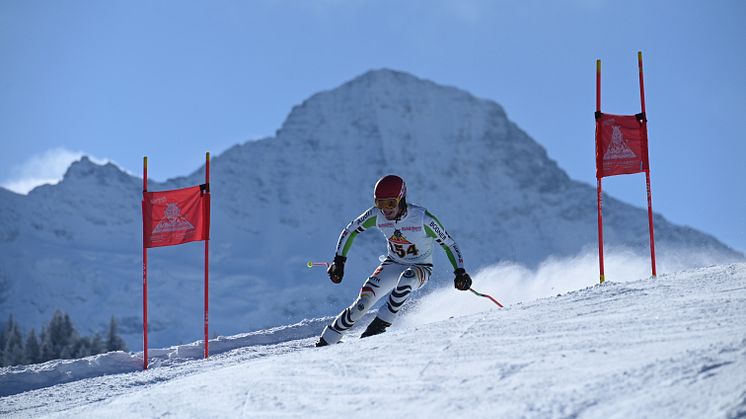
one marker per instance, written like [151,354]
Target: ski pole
[486,296]
[311,264]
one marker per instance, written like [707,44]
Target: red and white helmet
[390,187]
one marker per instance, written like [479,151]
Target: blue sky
[117,80]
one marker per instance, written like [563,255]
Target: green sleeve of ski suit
[365,221]
[434,229]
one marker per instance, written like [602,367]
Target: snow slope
[674,346]
[280,201]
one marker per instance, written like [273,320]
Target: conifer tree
[113,341]
[97,345]
[61,336]
[81,348]
[13,353]
[58,339]
[71,337]
[3,335]
[47,349]
[33,350]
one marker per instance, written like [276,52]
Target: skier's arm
[346,237]
[435,229]
[365,221]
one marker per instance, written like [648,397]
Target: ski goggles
[387,203]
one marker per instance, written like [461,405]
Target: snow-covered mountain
[281,201]
[673,347]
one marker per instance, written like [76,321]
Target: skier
[410,230]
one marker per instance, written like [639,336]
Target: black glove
[337,269]
[462,281]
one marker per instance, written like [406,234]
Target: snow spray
[518,283]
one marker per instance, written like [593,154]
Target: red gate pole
[647,171]
[144,275]
[598,179]
[207,247]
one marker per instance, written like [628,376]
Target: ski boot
[376,327]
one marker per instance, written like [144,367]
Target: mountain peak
[381,104]
[388,81]
[85,167]
[386,75]
[91,174]
[80,168]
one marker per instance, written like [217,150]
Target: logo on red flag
[176,216]
[173,221]
[618,149]
[621,145]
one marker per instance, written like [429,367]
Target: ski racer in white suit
[410,231]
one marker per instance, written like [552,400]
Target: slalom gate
[170,218]
[622,148]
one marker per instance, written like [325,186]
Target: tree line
[58,340]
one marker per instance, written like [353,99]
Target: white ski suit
[406,268]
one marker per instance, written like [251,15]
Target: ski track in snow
[668,347]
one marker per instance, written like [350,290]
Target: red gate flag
[176,216]
[169,218]
[622,148]
[621,145]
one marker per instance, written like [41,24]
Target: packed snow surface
[672,346]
